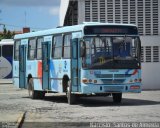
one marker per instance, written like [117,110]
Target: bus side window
[7,50]
[39,48]
[66,47]
[32,49]
[57,47]
[16,50]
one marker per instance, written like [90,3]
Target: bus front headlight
[85,80]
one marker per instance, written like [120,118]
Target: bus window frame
[28,54]
[67,46]
[54,46]
[16,50]
[40,37]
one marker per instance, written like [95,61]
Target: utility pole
[0,13]
[1,19]
[25,14]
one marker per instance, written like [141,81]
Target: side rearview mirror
[83,49]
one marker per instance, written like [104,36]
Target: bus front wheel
[70,97]
[117,97]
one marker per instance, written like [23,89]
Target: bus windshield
[120,52]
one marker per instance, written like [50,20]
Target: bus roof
[65,29]
[7,42]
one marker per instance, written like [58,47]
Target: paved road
[143,107]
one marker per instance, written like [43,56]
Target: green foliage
[6,34]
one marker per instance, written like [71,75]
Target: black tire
[32,93]
[117,97]
[41,94]
[70,97]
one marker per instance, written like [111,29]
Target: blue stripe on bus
[53,75]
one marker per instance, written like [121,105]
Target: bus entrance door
[22,66]
[45,65]
[74,66]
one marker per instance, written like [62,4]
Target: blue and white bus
[6,57]
[87,59]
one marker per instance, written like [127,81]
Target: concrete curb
[6,81]
[20,120]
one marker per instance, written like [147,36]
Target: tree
[6,34]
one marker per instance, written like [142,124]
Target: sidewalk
[6,81]
[11,119]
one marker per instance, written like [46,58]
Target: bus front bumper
[125,88]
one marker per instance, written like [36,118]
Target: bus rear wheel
[33,94]
[117,97]
[70,97]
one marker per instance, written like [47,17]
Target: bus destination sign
[128,30]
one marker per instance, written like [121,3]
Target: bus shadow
[107,101]
[101,101]
[57,99]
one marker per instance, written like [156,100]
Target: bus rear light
[134,87]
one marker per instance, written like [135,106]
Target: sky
[36,14]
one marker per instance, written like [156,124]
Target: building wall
[159,15]
[150,62]
[150,76]
[143,13]
[63,11]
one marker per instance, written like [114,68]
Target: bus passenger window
[7,50]
[32,49]
[57,47]
[39,48]
[66,47]
[16,50]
